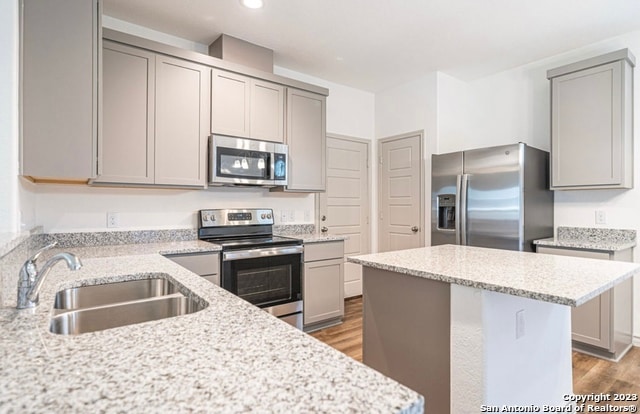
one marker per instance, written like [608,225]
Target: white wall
[453,109]
[68,208]
[64,208]
[8,116]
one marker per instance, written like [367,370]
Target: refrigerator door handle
[458,211]
[461,226]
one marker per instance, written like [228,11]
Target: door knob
[324,229]
[414,229]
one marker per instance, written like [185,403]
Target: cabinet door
[59,42]
[126,142]
[306,136]
[230,103]
[182,120]
[206,265]
[323,290]
[267,111]
[587,127]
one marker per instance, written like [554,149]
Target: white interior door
[401,210]
[344,207]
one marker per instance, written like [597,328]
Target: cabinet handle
[414,229]
[324,229]
[323,218]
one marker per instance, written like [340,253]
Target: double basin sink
[98,307]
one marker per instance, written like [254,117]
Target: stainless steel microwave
[241,161]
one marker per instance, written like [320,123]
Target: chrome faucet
[31,278]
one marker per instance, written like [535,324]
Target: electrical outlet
[113,220]
[292,215]
[307,216]
[520,324]
[283,216]
[601,217]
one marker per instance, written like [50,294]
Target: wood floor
[590,374]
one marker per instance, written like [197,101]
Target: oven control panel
[237,217]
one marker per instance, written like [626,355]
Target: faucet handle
[37,254]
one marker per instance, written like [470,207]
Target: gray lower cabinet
[323,284]
[592,123]
[206,265]
[603,325]
[155,119]
[59,75]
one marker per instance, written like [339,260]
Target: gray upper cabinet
[246,107]
[182,122]
[267,111]
[155,118]
[59,43]
[306,137]
[591,123]
[126,142]
[230,107]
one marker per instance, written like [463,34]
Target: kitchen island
[228,357]
[470,327]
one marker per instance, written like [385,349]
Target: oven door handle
[257,253]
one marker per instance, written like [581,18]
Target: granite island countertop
[228,357]
[557,279]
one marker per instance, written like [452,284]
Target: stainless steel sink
[106,317]
[98,295]
[98,307]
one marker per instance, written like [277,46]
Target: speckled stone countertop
[598,239]
[308,238]
[306,232]
[229,357]
[166,248]
[558,279]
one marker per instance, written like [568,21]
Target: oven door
[265,277]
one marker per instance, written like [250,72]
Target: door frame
[420,134]
[368,143]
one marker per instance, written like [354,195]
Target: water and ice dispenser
[446,212]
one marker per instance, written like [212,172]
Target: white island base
[466,349]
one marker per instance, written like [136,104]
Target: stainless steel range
[263,269]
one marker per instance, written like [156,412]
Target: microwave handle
[272,166]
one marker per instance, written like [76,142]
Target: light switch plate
[601,217]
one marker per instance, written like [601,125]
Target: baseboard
[636,340]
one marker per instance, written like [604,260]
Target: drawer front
[201,264]
[323,251]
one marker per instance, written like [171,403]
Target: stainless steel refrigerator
[494,197]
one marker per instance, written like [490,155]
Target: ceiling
[375,44]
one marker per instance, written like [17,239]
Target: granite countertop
[229,357]
[606,240]
[308,238]
[165,248]
[557,279]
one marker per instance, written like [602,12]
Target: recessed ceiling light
[252,4]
